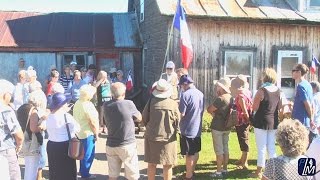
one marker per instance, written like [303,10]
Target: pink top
[246,95]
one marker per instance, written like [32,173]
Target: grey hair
[118,89]
[38,99]
[315,85]
[292,137]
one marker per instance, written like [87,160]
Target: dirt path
[100,164]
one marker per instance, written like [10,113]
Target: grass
[207,161]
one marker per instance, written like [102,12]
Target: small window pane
[314,2]
[80,61]
[287,82]
[238,63]
[141,10]
[68,59]
[286,66]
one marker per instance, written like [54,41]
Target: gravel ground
[100,164]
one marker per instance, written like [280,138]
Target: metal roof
[69,30]
[248,9]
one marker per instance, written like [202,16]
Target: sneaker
[216,175]
[224,172]
[90,177]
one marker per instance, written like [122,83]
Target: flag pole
[168,42]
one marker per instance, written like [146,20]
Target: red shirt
[246,95]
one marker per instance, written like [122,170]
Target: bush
[206,122]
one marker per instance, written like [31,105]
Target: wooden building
[232,37]
[55,39]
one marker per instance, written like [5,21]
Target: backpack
[231,119]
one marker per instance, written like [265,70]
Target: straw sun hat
[225,84]
[162,89]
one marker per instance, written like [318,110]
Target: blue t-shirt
[75,89]
[192,106]
[303,93]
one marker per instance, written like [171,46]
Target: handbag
[30,147]
[75,148]
[232,118]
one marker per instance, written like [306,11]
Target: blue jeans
[89,152]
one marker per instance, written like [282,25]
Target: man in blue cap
[191,107]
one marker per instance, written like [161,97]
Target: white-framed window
[313,5]
[79,58]
[141,10]
[286,60]
[238,62]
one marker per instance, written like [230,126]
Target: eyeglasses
[295,70]
[169,68]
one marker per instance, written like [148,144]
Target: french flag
[314,64]
[129,84]
[180,24]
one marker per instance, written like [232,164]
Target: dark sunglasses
[294,70]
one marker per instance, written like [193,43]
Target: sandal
[242,167]
[238,162]
[254,175]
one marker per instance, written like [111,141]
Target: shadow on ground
[203,171]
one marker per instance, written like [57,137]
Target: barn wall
[208,37]
[40,61]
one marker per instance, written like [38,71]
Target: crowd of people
[38,126]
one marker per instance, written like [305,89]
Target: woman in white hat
[161,117]
[220,133]
[171,77]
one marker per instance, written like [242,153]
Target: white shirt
[56,127]
[313,152]
[20,95]
[316,101]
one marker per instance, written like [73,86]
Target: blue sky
[64,5]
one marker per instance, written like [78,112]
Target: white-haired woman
[292,138]
[87,116]
[103,85]
[33,113]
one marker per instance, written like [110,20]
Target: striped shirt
[64,81]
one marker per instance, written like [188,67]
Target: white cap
[6,86]
[30,68]
[31,73]
[73,63]
[57,88]
[113,70]
[170,64]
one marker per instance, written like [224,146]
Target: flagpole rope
[168,43]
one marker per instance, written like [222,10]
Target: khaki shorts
[128,156]
[220,142]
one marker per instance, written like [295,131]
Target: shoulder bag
[30,147]
[75,149]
